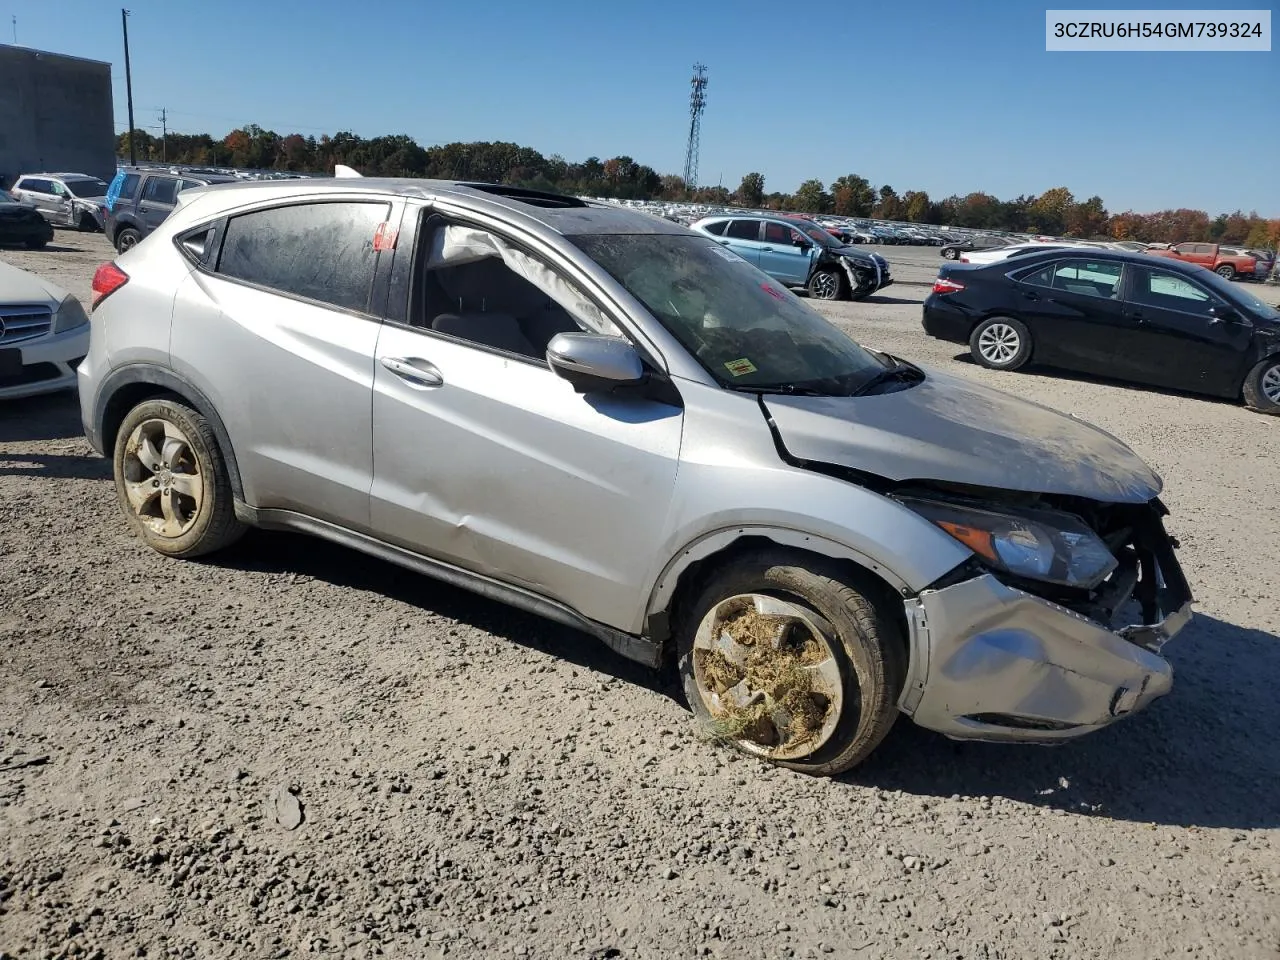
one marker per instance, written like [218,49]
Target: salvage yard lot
[483,783]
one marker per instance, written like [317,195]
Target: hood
[953,430]
[853,253]
[19,286]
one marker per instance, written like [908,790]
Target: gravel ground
[474,781]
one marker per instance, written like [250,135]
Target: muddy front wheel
[783,659]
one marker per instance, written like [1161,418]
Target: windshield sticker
[772,291]
[740,367]
[727,254]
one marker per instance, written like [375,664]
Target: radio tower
[697,103]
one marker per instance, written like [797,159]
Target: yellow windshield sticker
[740,366]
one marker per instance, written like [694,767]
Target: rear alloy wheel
[825,285]
[127,239]
[172,482]
[785,661]
[1226,271]
[1000,343]
[951,254]
[1262,387]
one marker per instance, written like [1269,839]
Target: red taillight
[943,285]
[107,279]
[964,259]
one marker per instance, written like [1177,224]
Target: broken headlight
[1040,545]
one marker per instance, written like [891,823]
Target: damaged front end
[867,273]
[998,653]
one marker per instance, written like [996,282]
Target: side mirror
[1223,315]
[804,245]
[593,362]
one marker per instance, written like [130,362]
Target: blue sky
[938,96]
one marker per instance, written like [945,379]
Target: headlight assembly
[69,316]
[1049,546]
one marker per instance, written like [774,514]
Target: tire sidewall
[210,465]
[858,673]
[1253,395]
[121,246]
[1024,343]
[1226,272]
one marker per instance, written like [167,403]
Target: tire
[1000,343]
[87,224]
[1262,387]
[127,239]
[951,254]
[37,244]
[189,524]
[862,658]
[1226,271]
[826,285]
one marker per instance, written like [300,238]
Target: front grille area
[23,322]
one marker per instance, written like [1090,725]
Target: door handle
[723,242]
[415,370]
[767,249]
[1030,295]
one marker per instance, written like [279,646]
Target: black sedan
[953,249]
[1120,315]
[21,224]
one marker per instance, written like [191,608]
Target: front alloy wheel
[1262,387]
[825,285]
[783,658]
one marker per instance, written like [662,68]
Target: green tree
[812,197]
[916,206]
[1051,209]
[853,196]
[750,192]
[889,207]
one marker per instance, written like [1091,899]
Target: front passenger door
[782,256]
[1191,339]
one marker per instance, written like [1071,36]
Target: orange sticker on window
[384,238]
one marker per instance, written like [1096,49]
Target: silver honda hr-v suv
[608,419]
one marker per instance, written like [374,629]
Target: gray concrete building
[56,115]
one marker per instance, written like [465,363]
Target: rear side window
[1088,278]
[35,185]
[717,228]
[320,251]
[163,190]
[129,186]
[189,184]
[744,230]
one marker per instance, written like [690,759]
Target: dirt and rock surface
[295,750]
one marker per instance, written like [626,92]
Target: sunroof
[535,198]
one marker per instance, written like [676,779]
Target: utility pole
[128,85]
[164,136]
[15,31]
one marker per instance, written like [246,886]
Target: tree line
[1056,211]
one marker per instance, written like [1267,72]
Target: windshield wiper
[785,389]
[903,373]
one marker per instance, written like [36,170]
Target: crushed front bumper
[990,662]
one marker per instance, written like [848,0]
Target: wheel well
[664,624]
[124,400]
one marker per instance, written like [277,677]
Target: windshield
[744,328]
[1232,293]
[87,188]
[817,233]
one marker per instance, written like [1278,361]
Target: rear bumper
[943,319]
[990,662]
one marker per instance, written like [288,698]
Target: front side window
[1170,291]
[775,232]
[88,188]
[320,251]
[745,329]
[743,230]
[162,190]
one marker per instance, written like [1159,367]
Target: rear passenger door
[743,238]
[279,327]
[159,194]
[1076,316]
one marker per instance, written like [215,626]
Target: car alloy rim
[825,285]
[999,343]
[1271,383]
[1225,271]
[162,478]
[766,672]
